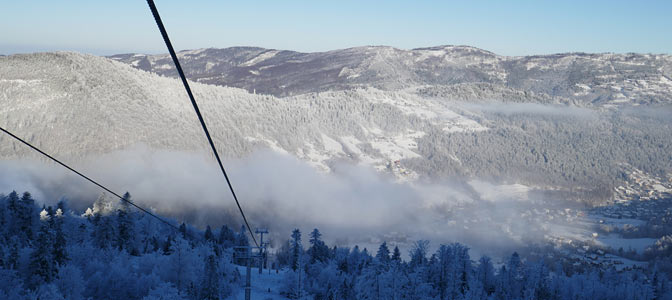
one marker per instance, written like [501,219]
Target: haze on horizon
[512,28]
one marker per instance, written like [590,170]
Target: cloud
[352,205]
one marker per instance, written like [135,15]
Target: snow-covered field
[265,286]
[615,242]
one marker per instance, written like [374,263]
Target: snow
[427,54]
[261,284]
[398,147]
[273,145]
[615,242]
[660,188]
[665,80]
[617,222]
[259,58]
[331,145]
[583,86]
[20,81]
[349,73]
[314,157]
[494,193]
[351,144]
[163,67]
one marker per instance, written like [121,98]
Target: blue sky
[504,27]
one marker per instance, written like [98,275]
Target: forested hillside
[111,251]
[602,79]
[80,106]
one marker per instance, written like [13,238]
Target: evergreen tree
[208,234]
[103,232]
[318,250]
[383,254]
[296,249]
[13,212]
[210,281]
[3,215]
[396,255]
[125,226]
[59,250]
[183,230]
[42,267]
[26,216]
[485,273]
[226,236]
[13,258]
[168,246]
[515,275]
[284,254]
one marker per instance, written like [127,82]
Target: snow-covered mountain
[79,104]
[593,79]
[384,114]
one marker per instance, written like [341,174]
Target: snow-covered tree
[383,254]
[210,282]
[297,249]
[318,251]
[125,225]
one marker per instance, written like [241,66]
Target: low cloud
[351,205]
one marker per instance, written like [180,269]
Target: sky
[504,27]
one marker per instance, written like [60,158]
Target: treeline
[113,252]
[320,272]
[110,252]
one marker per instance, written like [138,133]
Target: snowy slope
[604,80]
[76,105]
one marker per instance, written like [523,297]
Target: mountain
[591,79]
[76,105]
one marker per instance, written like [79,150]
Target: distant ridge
[604,79]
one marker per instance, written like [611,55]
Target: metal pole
[262,249]
[248,275]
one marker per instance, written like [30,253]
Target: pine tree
[167,246]
[183,230]
[13,258]
[396,255]
[208,234]
[13,212]
[42,268]
[296,249]
[318,250]
[125,230]
[383,254]
[515,275]
[59,250]
[226,236]
[210,281]
[26,215]
[103,232]
[3,215]
[486,274]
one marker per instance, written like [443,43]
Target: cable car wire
[169,45]
[87,178]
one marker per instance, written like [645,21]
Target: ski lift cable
[169,45]
[87,178]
